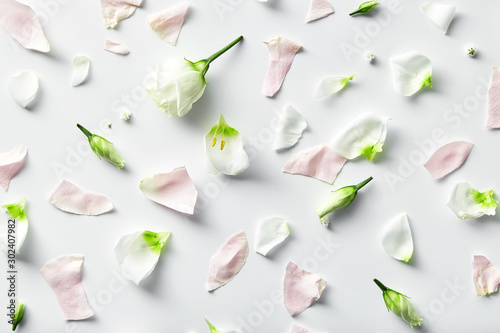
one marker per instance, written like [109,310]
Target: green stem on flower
[84,130]
[355,12]
[380,285]
[218,54]
[363,183]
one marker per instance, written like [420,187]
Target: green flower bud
[18,315]
[365,7]
[103,148]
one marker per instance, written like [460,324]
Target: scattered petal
[319,9]
[466,202]
[11,163]
[173,189]
[21,22]
[439,13]
[486,276]
[494,99]
[113,11]
[270,233]
[137,254]
[168,23]
[228,261]
[448,158]
[64,275]
[81,66]
[281,52]
[23,87]
[298,329]
[16,212]
[397,240]
[410,72]
[301,289]
[70,198]
[331,85]
[215,330]
[116,47]
[290,127]
[319,162]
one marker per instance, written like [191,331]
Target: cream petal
[290,127]
[319,162]
[81,67]
[113,11]
[440,14]
[168,23]
[232,160]
[173,189]
[319,9]
[486,277]
[281,52]
[448,158]
[23,87]
[494,99]
[397,240]
[464,205]
[70,198]
[228,261]
[11,163]
[270,233]
[301,289]
[298,329]
[331,85]
[64,275]
[116,47]
[410,72]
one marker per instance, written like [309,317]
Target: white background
[173,298]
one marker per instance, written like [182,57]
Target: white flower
[471,51]
[410,72]
[466,202]
[369,56]
[125,115]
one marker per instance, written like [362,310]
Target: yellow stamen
[222,144]
[214,141]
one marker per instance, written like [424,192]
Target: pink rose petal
[21,22]
[486,276]
[113,11]
[301,289]
[494,100]
[64,275]
[168,23]
[228,261]
[116,47]
[319,162]
[70,198]
[319,9]
[448,158]
[11,163]
[298,329]
[173,189]
[281,51]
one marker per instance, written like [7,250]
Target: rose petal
[16,211]
[319,9]
[11,163]
[116,47]
[113,11]
[81,66]
[70,198]
[448,158]
[464,204]
[281,51]
[301,289]
[486,277]
[298,329]
[168,23]
[270,233]
[290,127]
[22,23]
[319,162]
[397,240]
[64,275]
[410,72]
[23,87]
[494,99]
[331,85]
[228,261]
[440,14]
[173,189]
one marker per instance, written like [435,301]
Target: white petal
[168,23]
[462,203]
[397,240]
[21,228]
[70,198]
[410,72]
[298,329]
[290,127]
[116,47]
[173,189]
[81,66]
[331,85]
[11,163]
[114,11]
[440,14]
[231,160]
[319,9]
[23,87]
[270,233]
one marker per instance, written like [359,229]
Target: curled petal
[270,233]
[397,240]
[486,276]
[113,11]
[168,23]
[116,47]
[298,329]
[466,202]
[11,163]
[410,72]
[494,99]
[281,52]
[64,275]
[23,87]
[81,66]
[331,85]
[439,13]
[319,9]
[290,127]
[448,158]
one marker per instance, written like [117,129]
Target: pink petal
[281,51]
[301,289]
[173,189]
[486,276]
[168,24]
[448,158]
[298,329]
[228,261]
[64,275]
[116,47]
[319,9]
[113,11]
[21,22]
[494,100]
[70,198]
[319,162]
[11,163]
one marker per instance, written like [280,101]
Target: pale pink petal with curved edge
[11,163]
[298,329]
[173,189]
[113,11]
[228,261]
[64,276]
[494,100]
[281,52]
[319,9]
[301,289]
[448,158]
[486,276]
[319,162]
[116,47]
[70,198]
[21,22]
[168,23]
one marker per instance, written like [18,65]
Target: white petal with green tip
[439,13]
[16,212]
[81,66]
[23,87]
[411,71]
[290,127]
[466,202]
[218,330]
[331,85]
[397,240]
[270,233]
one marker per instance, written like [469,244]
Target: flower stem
[84,130]
[380,285]
[363,183]
[218,54]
